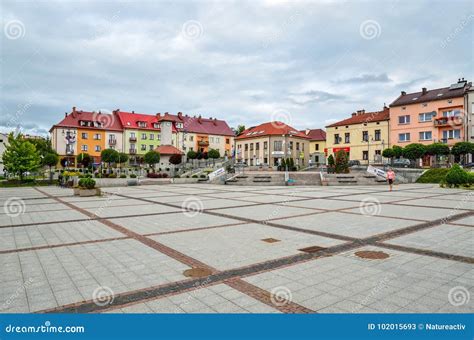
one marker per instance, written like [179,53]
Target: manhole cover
[372,255]
[197,272]
[270,240]
[312,249]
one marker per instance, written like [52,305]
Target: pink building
[429,116]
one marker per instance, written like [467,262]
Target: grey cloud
[368,78]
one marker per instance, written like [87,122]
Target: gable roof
[271,129]
[455,90]
[168,150]
[206,126]
[315,134]
[104,121]
[364,117]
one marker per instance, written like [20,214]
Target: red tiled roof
[130,120]
[271,129]
[315,134]
[72,120]
[168,150]
[206,126]
[366,117]
[455,90]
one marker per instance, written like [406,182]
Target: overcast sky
[305,63]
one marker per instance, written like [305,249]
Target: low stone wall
[185,180]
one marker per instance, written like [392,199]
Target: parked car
[468,165]
[354,163]
[401,163]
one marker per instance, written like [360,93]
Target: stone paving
[234,249]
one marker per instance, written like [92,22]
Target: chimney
[423,91]
[360,112]
[307,132]
[73,109]
[354,114]
[133,112]
[215,121]
[404,93]
[199,119]
[180,115]
[65,114]
[166,113]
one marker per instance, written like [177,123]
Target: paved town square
[238,249]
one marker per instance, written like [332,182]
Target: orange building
[429,116]
[91,141]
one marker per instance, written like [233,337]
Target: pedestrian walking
[390,177]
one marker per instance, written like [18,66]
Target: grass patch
[435,176]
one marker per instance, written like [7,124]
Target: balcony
[132,139]
[69,152]
[132,151]
[448,121]
[203,143]
[112,141]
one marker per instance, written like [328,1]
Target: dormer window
[156,125]
[179,125]
[142,124]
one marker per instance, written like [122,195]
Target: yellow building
[317,145]
[363,136]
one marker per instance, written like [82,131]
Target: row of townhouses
[431,115]
[135,134]
[442,115]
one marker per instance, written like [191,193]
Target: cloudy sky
[306,63]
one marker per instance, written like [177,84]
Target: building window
[251,146]
[143,136]
[451,113]
[378,152]
[426,135]
[191,138]
[211,139]
[377,135]
[297,146]
[218,140]
[291,145]
[265,145]
[84,147]
[404,119]
[265,160]
[152,136]
[347,137]
[302,147]
[277,145]
[97,148]
[426,117]
[404,137]
[84,135]
[227,141]
[158,136]
[151,147]
[365,136]
[132,135]
[143,147]
[142,124]
[97,136]
[365,155]
[316,147]
[452,134]
[257,146]
[246,147]
[336,138]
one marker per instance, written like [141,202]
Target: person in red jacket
[390,177]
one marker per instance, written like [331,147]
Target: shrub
[112,175]
[87,183]
[470,178]
[98,175]
[457,176]
[164,175]
[433,176]
[195,176]
[202,176]
[133,176]
[153,175]
[342,162]
[123,176]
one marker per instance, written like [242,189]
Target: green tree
[50,160]
[461,149]
[84,159]
[20,156]
[437,150]
[331,163]
[398,151]
[213,153]
[43,146]
[109,156]
[457,176]
[389,153]
[151,158]
[191,154]
[122,158]
[342,162]
[240,129]
[414,151]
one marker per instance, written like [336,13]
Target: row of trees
[24,156]
[416,151]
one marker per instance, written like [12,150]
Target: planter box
[76,191]
[89,192]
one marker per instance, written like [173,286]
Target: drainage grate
[372,255]
[312,249]
[270,240]
[197,272]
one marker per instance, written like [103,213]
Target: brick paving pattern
[126,252]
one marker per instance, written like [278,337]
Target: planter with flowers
[86,188]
